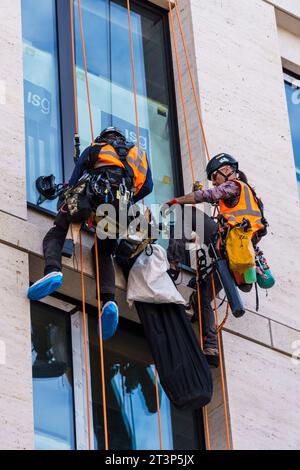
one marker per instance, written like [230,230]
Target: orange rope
[96,246]
[133,75]
[179,74]
[205,410]
[221,326]
[74,67]
[86,365]
[222,369]
[101,344]
[197,101]
[138,144]
[85,69]
[134,82]
[158,410]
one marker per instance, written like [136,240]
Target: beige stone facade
[237,50]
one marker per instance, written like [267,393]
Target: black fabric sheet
[182,367]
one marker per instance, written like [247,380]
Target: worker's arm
[79,167]
[187,199]
[85,161]
[147,187]
[227,190]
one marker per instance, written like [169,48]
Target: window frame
[69,308]
[127,325]
[66,97]
[292,79]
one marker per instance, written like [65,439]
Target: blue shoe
[109,319]
[45,286]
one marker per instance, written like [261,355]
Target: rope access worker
[123,163]
[237,201]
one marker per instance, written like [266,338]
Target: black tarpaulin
[182,367]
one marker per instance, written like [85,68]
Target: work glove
[172,202]
[197,186]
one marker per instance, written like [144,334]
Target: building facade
[245,59]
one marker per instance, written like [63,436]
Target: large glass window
[52,378]
[110,77]
[292,88]
[131,398]
[48,72]
[59,385]
[41,94]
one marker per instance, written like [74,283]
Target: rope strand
[133,75]
[74,68]
[226,414]
[197,101]
[179,74]
[158,410]
[101,343]
[85,69]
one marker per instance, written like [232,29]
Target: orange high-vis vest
[137,160]
[246,208]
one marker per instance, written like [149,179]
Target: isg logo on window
[37,101]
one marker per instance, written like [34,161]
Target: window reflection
[52,379]
[41,94]
[131,398]
[110,78]
[293,100]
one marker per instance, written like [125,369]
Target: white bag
[149,281]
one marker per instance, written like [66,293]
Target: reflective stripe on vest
[246,208]
[136,159]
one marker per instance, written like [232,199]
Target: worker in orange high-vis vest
[122,163]
[237,201]
[236,198]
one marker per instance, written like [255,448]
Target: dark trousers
[53,245]
[176,253]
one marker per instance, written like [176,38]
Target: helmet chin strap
[226,177]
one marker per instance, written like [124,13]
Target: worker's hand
[197,186]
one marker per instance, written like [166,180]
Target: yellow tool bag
[240,250]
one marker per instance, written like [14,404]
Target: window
[49,117]
[52,378]
[59,402]
[292,88]
[41,95]
[107,45]
[131,397]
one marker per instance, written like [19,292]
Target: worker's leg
[110,312]
[195,220]
[176,255]
[208,316]
[52,245]
[106,249]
